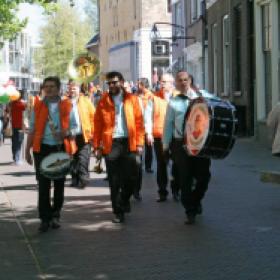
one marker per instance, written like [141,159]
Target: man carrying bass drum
[50,123]
[189,167]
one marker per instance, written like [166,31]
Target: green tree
[10,25]
[64,36]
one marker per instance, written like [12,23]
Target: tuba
[84,68]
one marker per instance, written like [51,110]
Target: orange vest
[41,117]
[159,112]
[146,97]
[160,93]
[104,122]
[86,113]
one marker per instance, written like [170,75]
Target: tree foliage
[10,25]
[58,41]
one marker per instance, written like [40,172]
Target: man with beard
[119,135]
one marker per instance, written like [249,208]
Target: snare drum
[56,165]
[210,128]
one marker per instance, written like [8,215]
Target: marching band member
[84,114]
[50,123]
[144,95]
[154,121]
[119,135]
[189,167]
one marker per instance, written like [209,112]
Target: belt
[120,139]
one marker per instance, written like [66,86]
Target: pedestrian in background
[17,113]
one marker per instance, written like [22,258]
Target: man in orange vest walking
[50,124]
[83,111]
[119,135]
[154,123]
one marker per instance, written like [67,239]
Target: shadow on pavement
[20,173]
[17,187]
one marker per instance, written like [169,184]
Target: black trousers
[162,171]
[17,140]
[190,168]
[122,174]
[139,163]
[47,209]
[148,156]
[80,164]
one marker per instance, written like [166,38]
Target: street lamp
[155,34]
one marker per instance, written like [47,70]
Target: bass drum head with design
[196,128]
[55,165]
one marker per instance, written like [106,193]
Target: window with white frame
[266,27]
[226,54]
[196,9]
[178,17]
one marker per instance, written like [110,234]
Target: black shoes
[78,184]
[137,196]
[55,224]
[119,218]
[162,198]
[190,218]
[44,226]
[149,170]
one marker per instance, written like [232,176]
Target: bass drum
[210,128]
[56,165]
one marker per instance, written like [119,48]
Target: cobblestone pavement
[237,237]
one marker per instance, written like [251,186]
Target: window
[178,18]
[226,54]
[135,9]
[169,6]
[195,9]
[215,57]
[237,47]
[267,42]
[266,27]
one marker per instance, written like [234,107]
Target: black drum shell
[222,128]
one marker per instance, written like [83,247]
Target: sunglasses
[112,82]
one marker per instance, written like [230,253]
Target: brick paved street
[236,238]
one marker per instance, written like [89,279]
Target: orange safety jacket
[159,112]
[160,93]
[146,97]
[86,113]
[104,122]
[41,117]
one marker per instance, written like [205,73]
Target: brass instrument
[84,69]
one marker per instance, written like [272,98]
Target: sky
[36,19]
